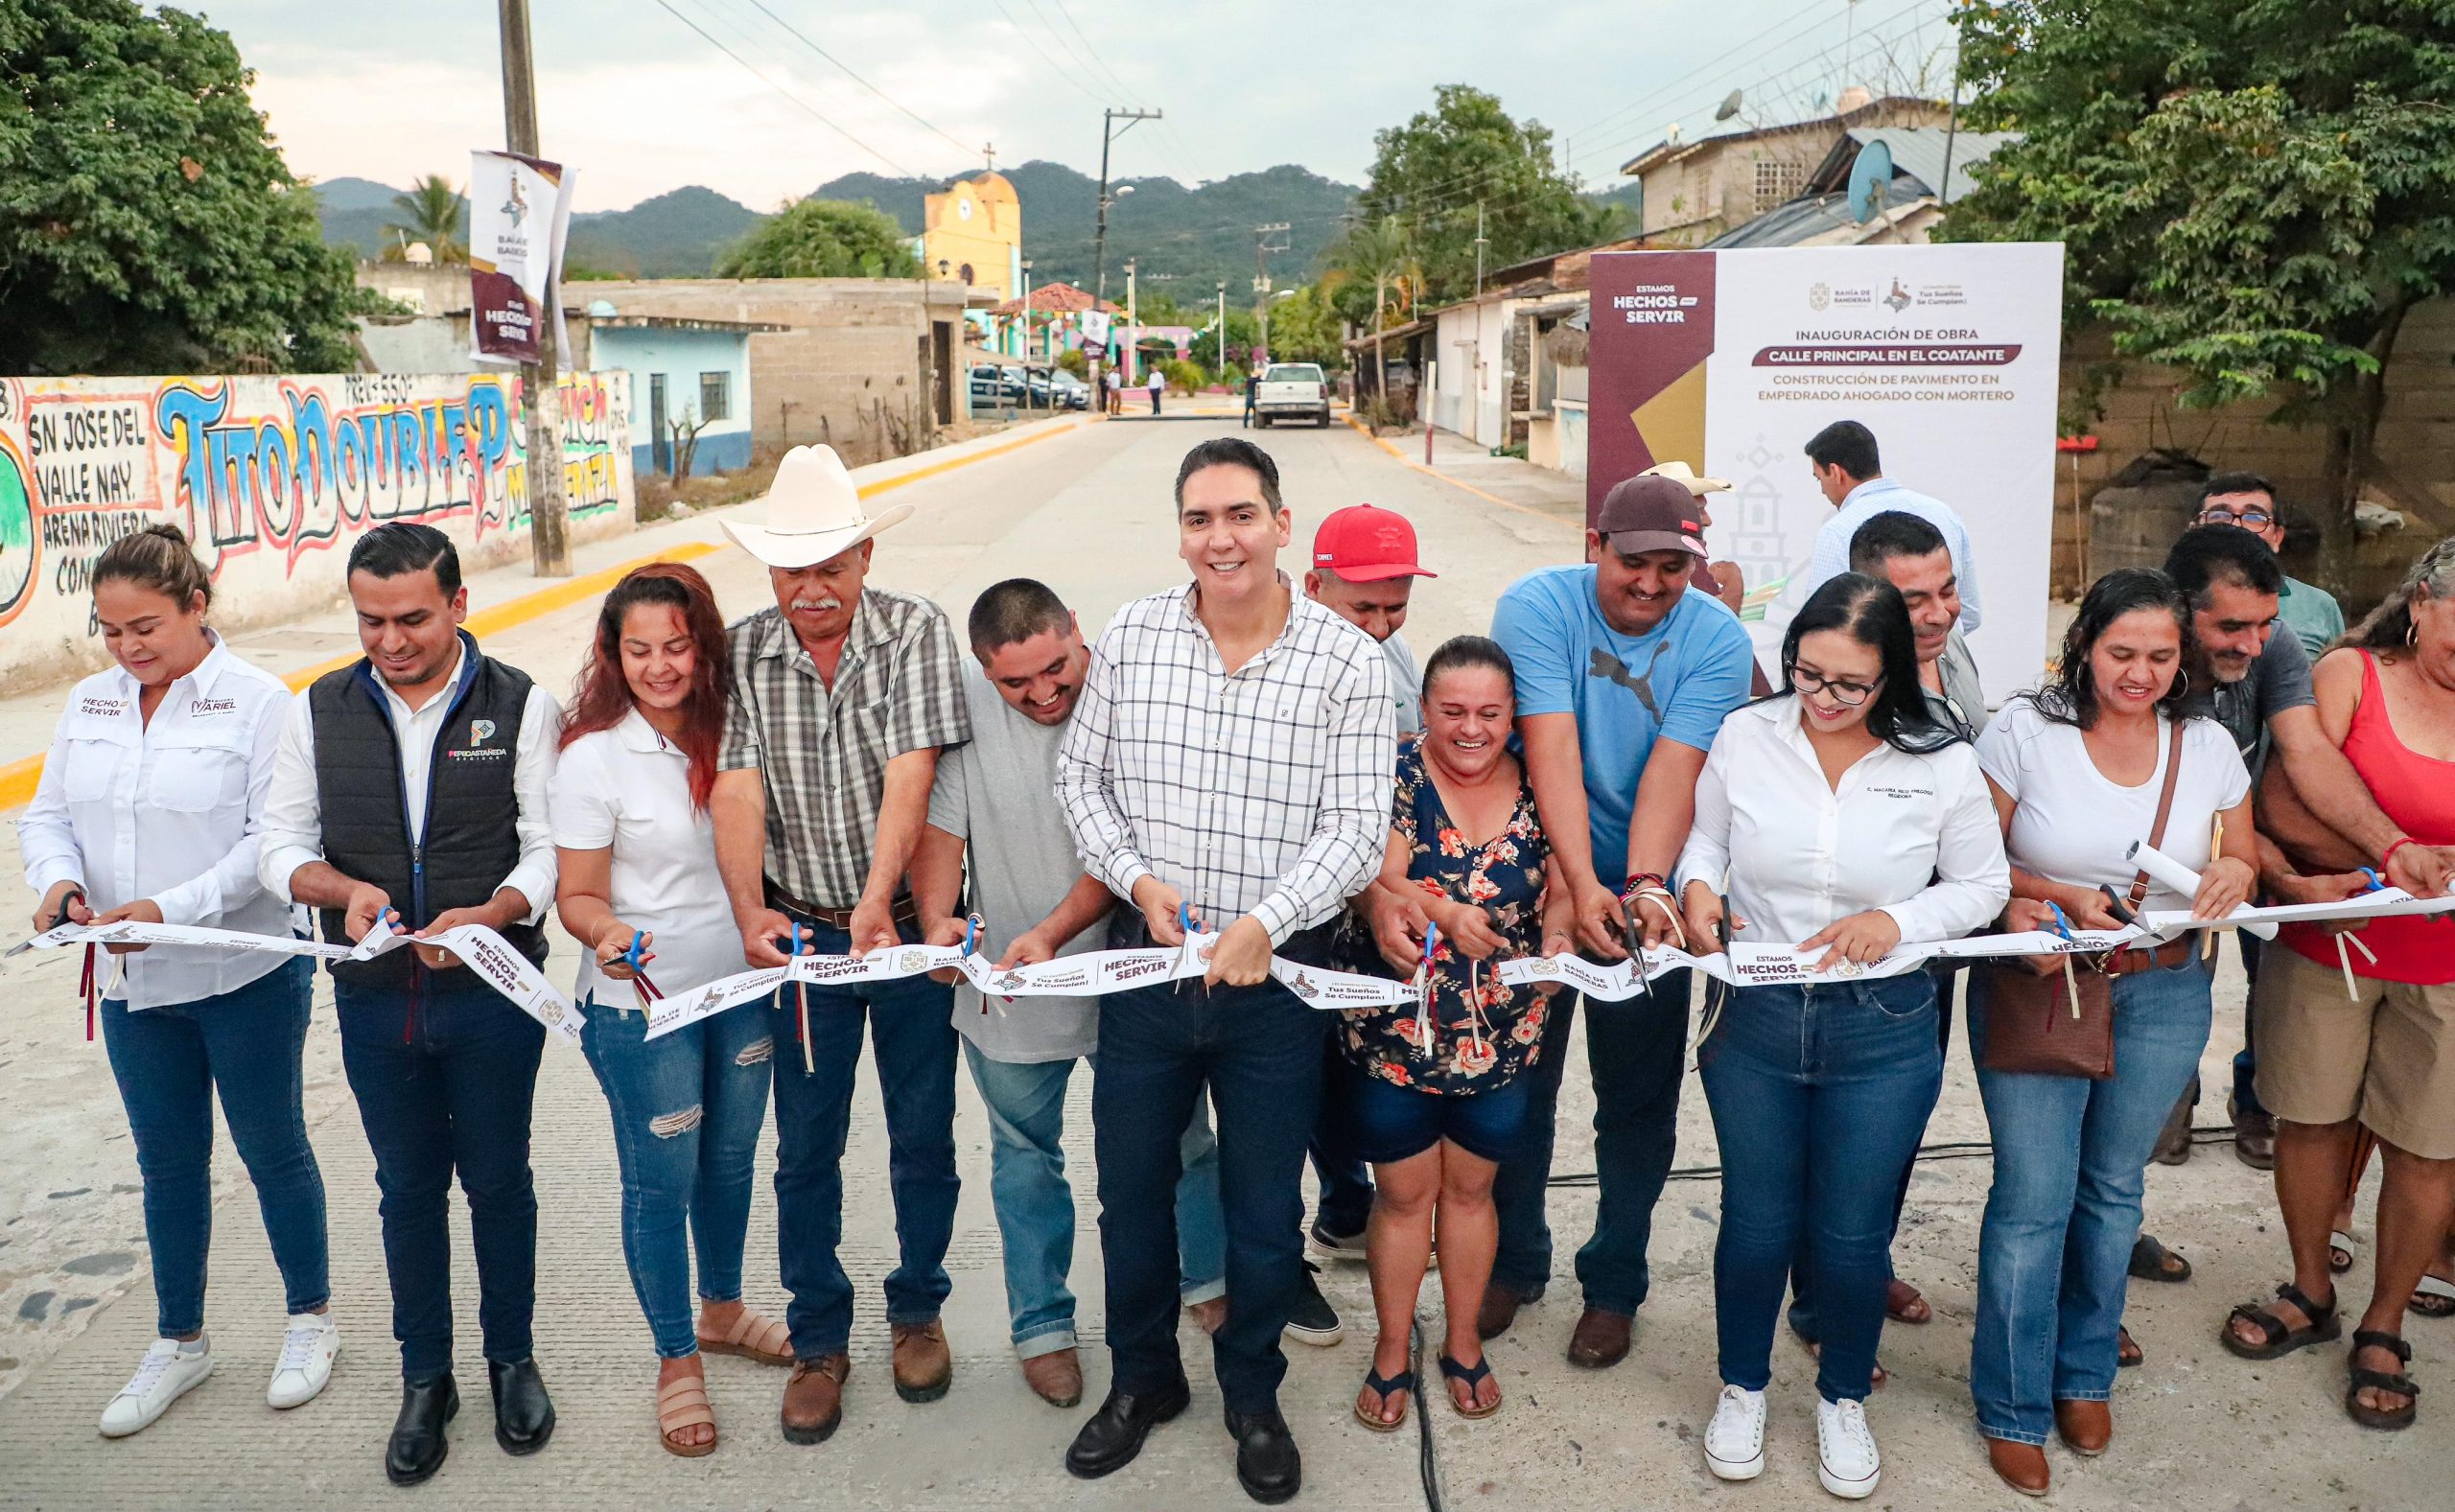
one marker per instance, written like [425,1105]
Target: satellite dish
[1729,107]
[1870,178]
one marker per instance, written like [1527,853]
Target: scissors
[1184,927]
[800,1003]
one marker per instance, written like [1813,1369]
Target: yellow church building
[973,233]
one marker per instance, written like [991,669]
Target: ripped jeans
[688,1108]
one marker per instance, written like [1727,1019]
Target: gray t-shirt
[1961,706]
[999,793]
[1406,683]
[2279,679]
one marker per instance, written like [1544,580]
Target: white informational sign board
[1949,354]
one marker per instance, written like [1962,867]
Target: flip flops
[1474,1376]
[1385,1387]
[2277,1338]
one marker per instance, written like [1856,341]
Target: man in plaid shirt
[842,696]
[1229,762]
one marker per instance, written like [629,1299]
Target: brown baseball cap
[1651,513]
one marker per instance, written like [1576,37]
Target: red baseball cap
[1363,544]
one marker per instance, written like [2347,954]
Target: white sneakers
[167,1372]
[1846,1457]
[170,1369]
[308,1346]
[1735,1440]
[1846,1449]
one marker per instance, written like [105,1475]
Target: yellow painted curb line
[18,777]
[1383,442]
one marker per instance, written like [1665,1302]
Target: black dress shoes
[1116,1433]
[417,1446]
[523,1414]
[1267,1464]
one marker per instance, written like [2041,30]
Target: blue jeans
[911,1031]
[1258,1049]
[1035,1206]
[448,1090]
[1819,1096]
[2054,1252]
[169,1061]
[1345,1202]
[688,1108]
[1637,1053]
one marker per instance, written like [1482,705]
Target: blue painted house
[683,372]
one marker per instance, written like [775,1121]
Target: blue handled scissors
[1184,927]
[645,990]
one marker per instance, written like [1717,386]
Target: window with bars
[1777,182]
[716,396]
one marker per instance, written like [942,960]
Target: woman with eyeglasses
[1836,815]
[2078,769]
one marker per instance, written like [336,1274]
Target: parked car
[1292,392]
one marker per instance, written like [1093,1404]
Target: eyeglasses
[1848,694]
[2250,518]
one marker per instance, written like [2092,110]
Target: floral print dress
[1482,1032]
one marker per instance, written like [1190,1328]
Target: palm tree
[1379,251]
[432,212]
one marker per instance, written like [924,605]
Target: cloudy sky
[640,102]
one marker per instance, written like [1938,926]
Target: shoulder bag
[2039,1025]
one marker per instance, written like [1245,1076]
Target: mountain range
[1185,241]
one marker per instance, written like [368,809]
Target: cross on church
[989,157]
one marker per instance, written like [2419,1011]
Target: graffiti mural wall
[272,477]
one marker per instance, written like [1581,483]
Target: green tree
[2255,194]
[147,222]
[1244,333]
[435,213]
[1376,255]
[1303,328]
[1465,151]
[823,238]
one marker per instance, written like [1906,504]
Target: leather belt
[2130,960]
[903,911]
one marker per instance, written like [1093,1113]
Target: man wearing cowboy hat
[843,697]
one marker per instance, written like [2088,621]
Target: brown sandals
[680,1404]
[752,1336]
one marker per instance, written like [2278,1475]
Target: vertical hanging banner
[518,213]
[1951,354]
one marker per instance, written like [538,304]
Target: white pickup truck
[1292,391]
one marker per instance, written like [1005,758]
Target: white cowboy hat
[1677,471]
[813,513]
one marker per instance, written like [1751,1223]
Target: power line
[804,38]
[1055,66]
[808,108]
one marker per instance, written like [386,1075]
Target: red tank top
[2418,792]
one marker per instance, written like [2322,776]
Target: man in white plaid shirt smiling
[1230,759]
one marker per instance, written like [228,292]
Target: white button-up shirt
[1913,835]
[294,812]
[627,789]
[1831,557]
[166,810]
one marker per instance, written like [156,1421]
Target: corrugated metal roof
[1919,151]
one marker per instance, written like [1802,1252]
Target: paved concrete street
[1088,511]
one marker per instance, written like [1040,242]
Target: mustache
[824,605]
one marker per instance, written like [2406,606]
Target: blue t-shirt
[1677,681]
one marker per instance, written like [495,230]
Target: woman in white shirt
[1846,821]
[148,809]
[638,862]
[2077,768]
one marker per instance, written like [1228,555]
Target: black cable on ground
[1950,1149]
[1426,1464]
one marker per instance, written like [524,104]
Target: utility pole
[1109,133]
[1132,336]
[1262,250]
[1027,310]
[550,548]
[1223,328]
